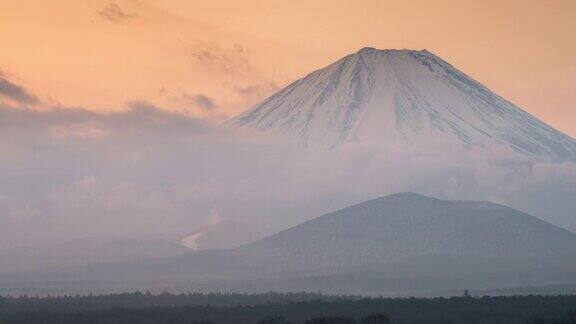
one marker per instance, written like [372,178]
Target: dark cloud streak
[204,101]
[15,92]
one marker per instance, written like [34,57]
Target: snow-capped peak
[401,96]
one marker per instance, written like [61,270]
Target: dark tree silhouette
[375,319]
[277,308]
[274,320]
[331,320]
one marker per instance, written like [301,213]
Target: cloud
[15,92]
[113,13]
[200,100]
[82,131]
[194,104]
[231,61]
[255,92]
[67,173]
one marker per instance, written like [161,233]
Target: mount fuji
[402,97]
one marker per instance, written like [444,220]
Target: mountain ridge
[405,220]
[381,245]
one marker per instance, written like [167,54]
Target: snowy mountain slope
[398,97]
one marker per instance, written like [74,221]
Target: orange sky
[216,58]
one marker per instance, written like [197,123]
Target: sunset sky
[214,59]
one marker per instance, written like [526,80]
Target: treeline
[292,308]
[147,299]
[167,316]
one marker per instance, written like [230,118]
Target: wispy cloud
[228,60]
[257,91]
[113,13]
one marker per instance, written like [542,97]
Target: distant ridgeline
[399,245]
